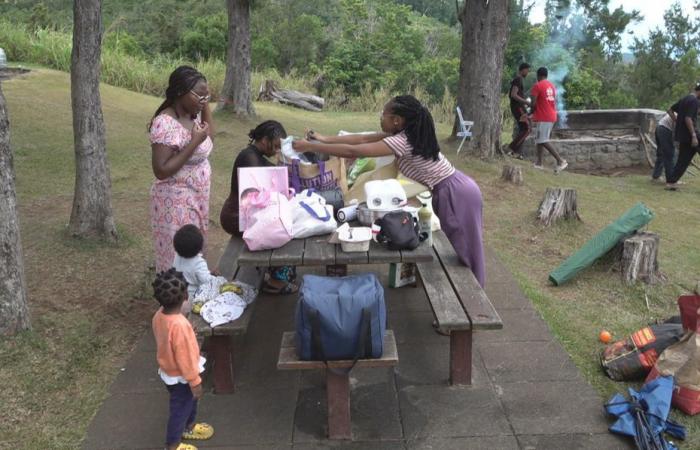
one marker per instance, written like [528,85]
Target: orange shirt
[178,352]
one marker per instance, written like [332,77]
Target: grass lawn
[90,302]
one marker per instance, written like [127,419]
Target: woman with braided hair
[265,142]
[408,133]
[181,140]
[179,361]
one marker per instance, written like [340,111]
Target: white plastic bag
[311,216]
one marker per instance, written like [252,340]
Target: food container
[385,195]
[355,239]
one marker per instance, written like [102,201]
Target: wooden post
[461,357]
[558,203]
[221,348]
[338,399]
[639,258]
[512,174]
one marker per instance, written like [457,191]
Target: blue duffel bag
[340,318]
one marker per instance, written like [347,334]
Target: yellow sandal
[186,447]
[200,432]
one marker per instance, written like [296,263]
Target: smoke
[557,55]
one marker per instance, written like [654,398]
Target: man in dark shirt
[686,110]
[518,107]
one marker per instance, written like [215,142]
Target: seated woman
[409,135]
[265,141]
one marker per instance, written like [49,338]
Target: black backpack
[399,231]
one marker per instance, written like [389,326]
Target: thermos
[347,214]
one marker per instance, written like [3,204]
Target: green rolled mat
[631,221]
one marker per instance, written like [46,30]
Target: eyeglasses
[201,99]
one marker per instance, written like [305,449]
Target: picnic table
[317,251]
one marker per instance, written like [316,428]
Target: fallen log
[639,261]
[512,174]
[270,92]
[558,203]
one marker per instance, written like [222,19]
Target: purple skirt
[458,204]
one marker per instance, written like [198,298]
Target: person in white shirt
[188,242]
[665,149]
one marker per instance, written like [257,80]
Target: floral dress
[182,198]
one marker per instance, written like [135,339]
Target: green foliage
[205,38]
[583,90]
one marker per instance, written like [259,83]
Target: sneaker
[671,186]
[538,166]
[562,166]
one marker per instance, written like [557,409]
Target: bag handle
[295,178]
[314,214]
[364,345]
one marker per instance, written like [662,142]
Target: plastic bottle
[425,222]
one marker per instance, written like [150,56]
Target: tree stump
[639,258]
[512,174]
[558,203]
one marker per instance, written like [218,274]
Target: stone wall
[601,139]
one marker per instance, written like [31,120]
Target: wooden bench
[337,384]
[459,303]
[218,341]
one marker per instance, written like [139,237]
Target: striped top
[425,171]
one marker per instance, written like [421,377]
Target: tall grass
[149,75]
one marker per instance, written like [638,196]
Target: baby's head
[170,289]
[188,241]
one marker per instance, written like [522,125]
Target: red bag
[682,360]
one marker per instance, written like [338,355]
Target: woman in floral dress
[181,141]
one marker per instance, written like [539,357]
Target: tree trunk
[484,37]
[639,258]
[236,94]
[269,91]
[14,315]
[558,203]
[92,200]
[512,174]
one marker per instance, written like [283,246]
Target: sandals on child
[288,289]
[199,432]
[186,447]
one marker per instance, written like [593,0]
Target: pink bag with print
[269,218]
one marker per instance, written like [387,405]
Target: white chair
[465,129]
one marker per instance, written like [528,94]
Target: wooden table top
[316,251]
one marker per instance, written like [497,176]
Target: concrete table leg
[221,350]
[461,357]
[338,395]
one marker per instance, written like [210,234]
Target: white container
[385,195]
[355,239]
[3,59]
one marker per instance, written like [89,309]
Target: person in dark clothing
[665,148]
[265,142]
[518,107]
[686,110]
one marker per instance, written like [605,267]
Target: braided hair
[420,128]
[271,129]
[181,81]
[170,288]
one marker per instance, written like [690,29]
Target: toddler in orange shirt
[179,361]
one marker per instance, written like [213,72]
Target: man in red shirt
[544,100]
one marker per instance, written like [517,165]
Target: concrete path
[526,393]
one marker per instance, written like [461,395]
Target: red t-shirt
[546,106]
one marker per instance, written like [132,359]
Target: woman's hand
[301,145]
[311,134]
[199,133]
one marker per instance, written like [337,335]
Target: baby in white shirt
[188,243]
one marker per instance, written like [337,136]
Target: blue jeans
[665,153]
[183,412]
